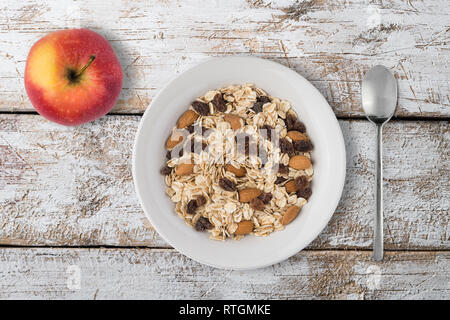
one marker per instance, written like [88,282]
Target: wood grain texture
[72,186]
[166,274]
[331,43]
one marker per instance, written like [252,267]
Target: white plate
[328,161]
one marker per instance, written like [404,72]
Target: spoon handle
[378,239]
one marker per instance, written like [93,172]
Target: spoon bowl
[379,94]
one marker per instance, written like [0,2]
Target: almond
[290,214]
[187,119]
[174,139]
[234,120]
[247,195]
[297,136]
[238,172]
[299,162]
[184,169]
[291,186]
[244,227]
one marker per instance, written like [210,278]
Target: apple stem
[91,59]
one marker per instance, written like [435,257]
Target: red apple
[73,76]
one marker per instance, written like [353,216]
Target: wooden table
[67,200]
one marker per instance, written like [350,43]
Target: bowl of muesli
[239,162]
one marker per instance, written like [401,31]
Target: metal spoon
[379,99]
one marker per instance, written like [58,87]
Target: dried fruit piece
[290,214]
[175,152]
[267,131]
[238,172]
[187,119]
[263,99]
[297,136]
[201,200]
[201,108]
[283,169]
[247,195]
[302,182]
[257,107]
[194,204]
[305,193]
[191,207]
[174,139]
[219,103]
[291,186]
[244,227]
[265,197]
[303,146]
[227,184]
[195,146]
[185,169]
[203,224]
[190,128]
[257,204]
[166,170]
[286,146]
[280,180]
[292,123]
[245,143]
[233,120]
[299,162]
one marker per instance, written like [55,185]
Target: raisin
[263,99]
[257,107]
[290,120]
[191,129]
[194,204]
[195,149]
[175,152]
[204,147]
[268,131]
[302,182]
[195,146]
[303,146]
[248,144]
[280,180]
[201,108]
[306,193]
[257,204]
[265,197]
[286,146]
[283,169]
[227,184]
[292,123]
[201,200]
[203,224]
[192,207]
[219,103]
[166,170]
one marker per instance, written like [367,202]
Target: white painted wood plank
[331,43]
[64,186]
[165,274]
